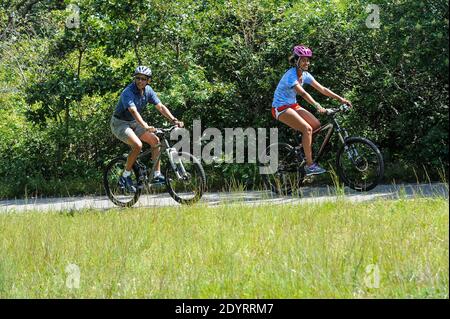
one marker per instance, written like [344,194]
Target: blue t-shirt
[131,96]
[285,91]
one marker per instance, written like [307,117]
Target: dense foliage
[218,61]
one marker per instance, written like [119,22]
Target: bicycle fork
[349,150]
[178,168]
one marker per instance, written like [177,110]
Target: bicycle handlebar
[165,130]
[342,108]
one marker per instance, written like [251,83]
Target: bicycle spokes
[185,178]
[360,164]
[360,161]
[115,187]
[289,174]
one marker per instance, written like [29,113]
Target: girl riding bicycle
[286,109]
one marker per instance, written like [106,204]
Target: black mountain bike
[359,162]
[185,177]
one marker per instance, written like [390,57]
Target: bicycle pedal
[308,179]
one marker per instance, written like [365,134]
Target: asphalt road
[308,195]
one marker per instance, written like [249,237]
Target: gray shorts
[122,129]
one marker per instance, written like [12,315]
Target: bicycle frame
[362,173]
[149,152]
[331,128]
[163,146]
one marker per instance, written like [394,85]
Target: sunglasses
[140,78]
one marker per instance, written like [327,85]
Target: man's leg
[136,147]
[153,141]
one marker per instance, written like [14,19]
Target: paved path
[308,195]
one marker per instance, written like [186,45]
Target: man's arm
[134,112]
[166,113]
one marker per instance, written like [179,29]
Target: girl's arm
[327,92]
[308,98]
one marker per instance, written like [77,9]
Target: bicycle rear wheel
[289,174]
[118,195]
[187,182]
[360,164]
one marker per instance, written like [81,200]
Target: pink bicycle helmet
[302,51]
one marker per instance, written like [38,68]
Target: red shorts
[277,111]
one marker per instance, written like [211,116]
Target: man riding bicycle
[286,109]
[128,125]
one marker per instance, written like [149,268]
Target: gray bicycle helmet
[142,69]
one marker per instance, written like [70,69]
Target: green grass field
[381,249]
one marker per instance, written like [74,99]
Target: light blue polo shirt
[131,96]
[285,92]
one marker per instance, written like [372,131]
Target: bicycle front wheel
[187,181]
[360,164]
[117,194]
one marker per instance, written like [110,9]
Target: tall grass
[235,251]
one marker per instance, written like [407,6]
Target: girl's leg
[292,119]
[310,118]
[315,125]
